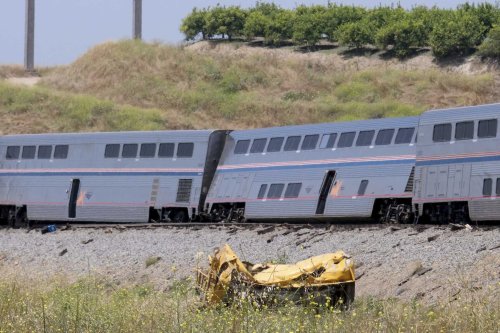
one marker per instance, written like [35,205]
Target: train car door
[461,180]
[325,190]
[73,197]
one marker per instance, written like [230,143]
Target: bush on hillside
[195,24]
[491,45]
[402,36]
[226,21]
[457,34]
[280,27]
[355,34]
[309,25]
[337,15]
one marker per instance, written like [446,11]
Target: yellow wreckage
[330,275]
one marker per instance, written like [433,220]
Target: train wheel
[179,216]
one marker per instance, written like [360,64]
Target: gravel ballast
[408,263]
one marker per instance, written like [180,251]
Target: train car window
[498,187]
[262,191]
[258,146]
[346,139]
[384,137]
[185,149]
[328,140]
[293,190]
[111,151]
[28,152]
[61,151]
[487,128]
[310,142]
[242,146]
[487,184]
[275,144]
[464,130]
[404,135]
[292,143]
[362,187]
[166,150]
[129,150]
[441,133]
[275,191]
[13,152]
[148,150]
[365,138]
[44,152]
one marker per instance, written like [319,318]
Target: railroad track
[254,226]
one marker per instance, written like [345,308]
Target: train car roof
[88,137]
[462,113]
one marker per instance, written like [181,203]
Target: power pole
[137,31]
[29,41]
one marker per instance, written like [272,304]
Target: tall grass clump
[92,305]
[39,110]
[229,87]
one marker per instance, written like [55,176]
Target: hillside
[134,85]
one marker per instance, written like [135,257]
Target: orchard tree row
[447,32]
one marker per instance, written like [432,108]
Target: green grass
[38,110]
[96,306]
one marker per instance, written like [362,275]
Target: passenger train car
[108,177]
[457,175]
[441,166]
[325,171]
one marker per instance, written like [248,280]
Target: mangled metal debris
[325,279]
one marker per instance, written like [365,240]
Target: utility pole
[137,31]
[29,41]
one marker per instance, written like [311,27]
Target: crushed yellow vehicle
[325,279]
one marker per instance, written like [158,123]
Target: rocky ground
[405,262]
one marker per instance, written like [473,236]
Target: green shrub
[195,24]
[309,25]
[491,45]
[402,35]
[355,34]
[458,33]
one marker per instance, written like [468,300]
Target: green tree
[456,34]
[336,15]
[309,25]
[226,21]
[256,25]
[195,24]
[491,45]
[280,27]
[355,34]
[402,36]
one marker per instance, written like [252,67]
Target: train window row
[310,142]
[276,190]
[40,152]
[488,187]
[149,150]
[465,130]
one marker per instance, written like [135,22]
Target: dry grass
[241,87]
[97,306]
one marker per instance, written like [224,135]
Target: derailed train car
[108,177]
[457,175]
[350,170]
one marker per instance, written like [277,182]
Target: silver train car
[108,177]
[457,174]
[349,170]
